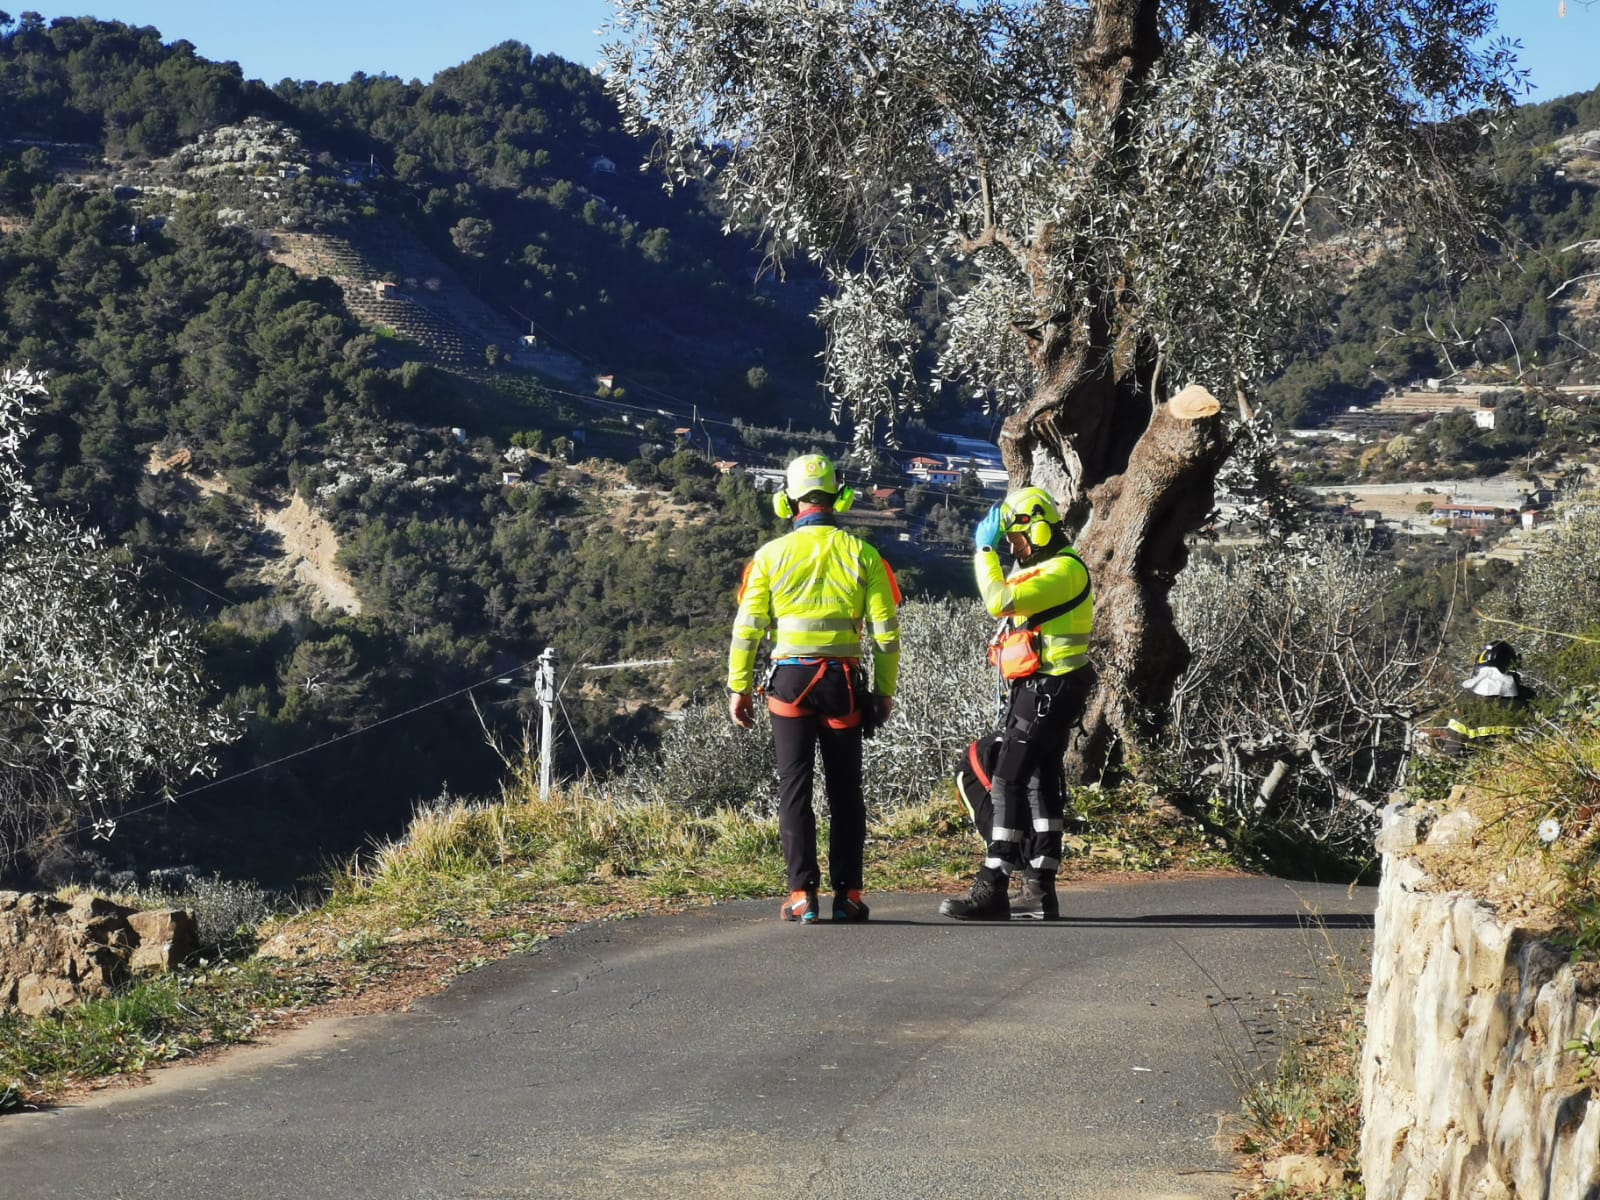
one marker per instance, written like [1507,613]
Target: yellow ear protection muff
[1039,531]
[784,507]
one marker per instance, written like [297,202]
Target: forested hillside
[170,339]
[1529,315]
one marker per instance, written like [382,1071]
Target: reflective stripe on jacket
[817,590]
[1063,640]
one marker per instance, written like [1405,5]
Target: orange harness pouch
[1016,653]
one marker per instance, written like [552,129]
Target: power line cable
[573,730]
[305,750]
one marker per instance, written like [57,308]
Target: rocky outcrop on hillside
[1467,1090]
[254,145]
[54,953]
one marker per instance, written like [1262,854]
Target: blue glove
[987,535]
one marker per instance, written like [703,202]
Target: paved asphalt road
[721,1053]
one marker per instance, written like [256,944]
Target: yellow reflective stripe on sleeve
[1478,731]
[885,634]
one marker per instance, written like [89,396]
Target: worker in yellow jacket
[1042,650]
[819,593]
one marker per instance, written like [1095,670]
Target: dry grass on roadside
[1300,1130]
[1528,838]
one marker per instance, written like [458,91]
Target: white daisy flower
[1549,830]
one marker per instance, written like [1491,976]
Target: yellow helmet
[1032,512]
[810,473]
[807,475]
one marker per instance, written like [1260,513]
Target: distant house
[923,463]
[1465,515]
[384,289]
[682,433]
[530,341]
[510,479]
[602,166]
[358,172]
[944,477]
[888,497]
[605,381]
[459,434]
[725,465]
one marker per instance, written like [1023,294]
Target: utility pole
[544,691]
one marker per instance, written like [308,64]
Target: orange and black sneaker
[801,906]
[849,906]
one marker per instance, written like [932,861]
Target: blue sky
[332,39]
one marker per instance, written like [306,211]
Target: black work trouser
[796,740]
[1028,788]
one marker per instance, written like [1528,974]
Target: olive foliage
[1556,598]
[1297,709]
[985,147]
[98,696]
[1100,201]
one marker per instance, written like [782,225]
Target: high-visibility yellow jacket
[1063,640]
[817,590]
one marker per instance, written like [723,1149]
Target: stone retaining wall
[54,953]
[1466,1089]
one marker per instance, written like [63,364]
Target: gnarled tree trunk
[1142,507]
[1134,476]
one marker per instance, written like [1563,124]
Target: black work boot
[1038,899]
[987,901]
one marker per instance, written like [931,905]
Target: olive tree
[1114,199]
[99,696]
[1556,595]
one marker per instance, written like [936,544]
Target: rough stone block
[164,938]
[38,995]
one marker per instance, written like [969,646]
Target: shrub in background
[1296,711]
[227,912]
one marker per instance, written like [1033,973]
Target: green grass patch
[144,1024]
